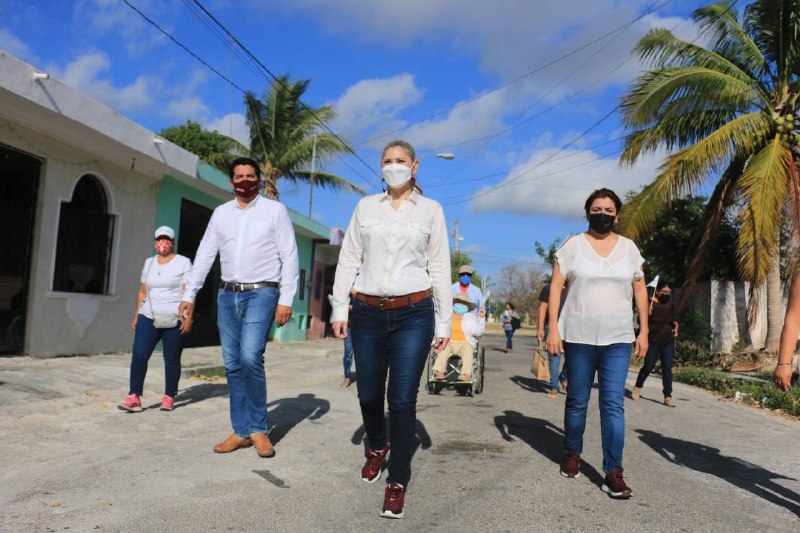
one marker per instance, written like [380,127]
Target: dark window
[85,236]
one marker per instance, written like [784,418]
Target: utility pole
[313,174]
[455,234]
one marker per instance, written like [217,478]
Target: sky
[523,92]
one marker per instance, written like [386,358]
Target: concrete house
[82,189]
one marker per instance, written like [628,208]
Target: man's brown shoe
[233,443]
[263,445]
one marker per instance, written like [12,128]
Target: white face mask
[396,175]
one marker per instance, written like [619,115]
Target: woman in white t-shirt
[160,293]
[595,331]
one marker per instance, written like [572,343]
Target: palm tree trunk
[270,189]
[774,307]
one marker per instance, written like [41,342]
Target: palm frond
[719,23]
[764,184]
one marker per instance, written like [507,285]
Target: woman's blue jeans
[347,358]
[665,351]
[145,339]
[396,342]
[244,320]
[509,335]
[611,365]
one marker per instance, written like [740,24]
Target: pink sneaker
[167,403]
[132,404]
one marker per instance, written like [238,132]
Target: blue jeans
[244,320]
[145,338]
[555,366]
[347,359]
[395,341]
[509,334]
[665,351]
[611,365]
[555,363]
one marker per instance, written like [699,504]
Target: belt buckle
[382,302]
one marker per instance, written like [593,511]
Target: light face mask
[460,309]
[465,280]
[396,175]
[164,246]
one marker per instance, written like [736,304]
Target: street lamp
[447,156]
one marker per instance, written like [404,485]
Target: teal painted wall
[170,193]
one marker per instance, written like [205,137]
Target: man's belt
[242,287]
[393,302]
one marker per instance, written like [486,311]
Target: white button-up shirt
[255,243]
[598,308]
[396,252]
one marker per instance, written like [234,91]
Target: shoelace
[394,492]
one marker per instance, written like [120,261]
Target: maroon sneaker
[615,486]
[571,465]
[393,501]
[372,468]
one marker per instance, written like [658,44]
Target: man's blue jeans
[665,351]
[145,339]
[555,364]
[611,365]
[398,342]
[244,320]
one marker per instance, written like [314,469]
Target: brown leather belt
[242,287]
[393,302]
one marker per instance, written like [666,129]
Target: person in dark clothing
[663,330]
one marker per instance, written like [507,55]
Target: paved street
[72,461]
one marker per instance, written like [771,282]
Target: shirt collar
[250,205]
[414,197]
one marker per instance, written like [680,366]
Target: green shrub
[695,327]
[752,391]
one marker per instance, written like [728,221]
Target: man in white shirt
[255,240]
[464,286]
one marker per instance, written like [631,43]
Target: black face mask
[664,298]
[601,223]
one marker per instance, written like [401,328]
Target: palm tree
[724,112]
[285,135]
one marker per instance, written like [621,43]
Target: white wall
[61,323]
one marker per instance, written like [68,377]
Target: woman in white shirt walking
[160,291]
[595,331]
[397,242]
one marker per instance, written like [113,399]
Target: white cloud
[187,108]
[87,74]
[557,183]
[233,125]
[11,44]
[372,105]
[112,17]
[510,38]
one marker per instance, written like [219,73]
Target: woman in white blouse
[595,331]
[397,243]
[160,292]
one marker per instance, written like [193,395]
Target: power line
[277,80]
